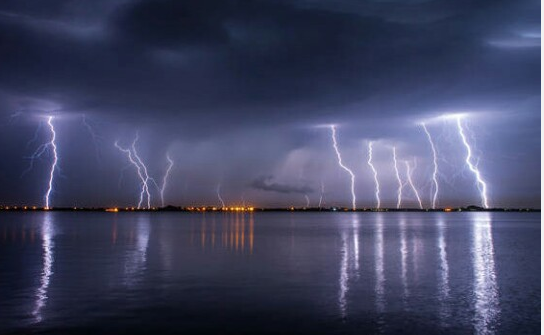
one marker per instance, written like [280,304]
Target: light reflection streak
[417,251]
[47,231]
[403,260]
[224,225]
[443,284]
[243,235]
[251,222]
[380,277]
[203,231]
[137,258]
[349,262]
[356,244]
[114,231]
[231,228]
[235,233]
[343,283]
[486,304]
[165,245]
[213,232]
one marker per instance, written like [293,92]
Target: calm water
[317,273]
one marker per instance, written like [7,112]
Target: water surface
[270,273]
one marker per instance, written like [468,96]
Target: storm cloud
[240,88]
[267,183]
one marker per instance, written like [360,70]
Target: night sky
[241,94]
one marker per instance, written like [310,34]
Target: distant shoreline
[254,209]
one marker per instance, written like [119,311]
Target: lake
[270,273]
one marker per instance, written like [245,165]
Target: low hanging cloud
[267,183]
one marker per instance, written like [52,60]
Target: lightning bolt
[53,146]
[94,136]
[321,195]
[480,183]
[165,178]
[14,116]
[435,167]
[307,200]
[243,200]
[397,174]
[37,153]
[219,196]
[147,179]
[36,134]
[352,176]
[140,168]
[411,183]
[375,173]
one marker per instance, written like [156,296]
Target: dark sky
[240,93]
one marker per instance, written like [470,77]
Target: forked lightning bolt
[140,169]
[397,174]
[435,166]
[96,139]
[52,147]
[35,137]
[411,183]
[147,179]
[219,196]
[321,195]
[375,173]
[165,178]
[352,176]
[480,183]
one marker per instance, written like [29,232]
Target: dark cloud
[267,183]
[286,59]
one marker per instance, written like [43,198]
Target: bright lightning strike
[435,166]
[147,179]
[375,173]
[142,171]
[53,146]
[335,145]
[219,196]
[411,183]
[480,183]
[165,178]
[397,174]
